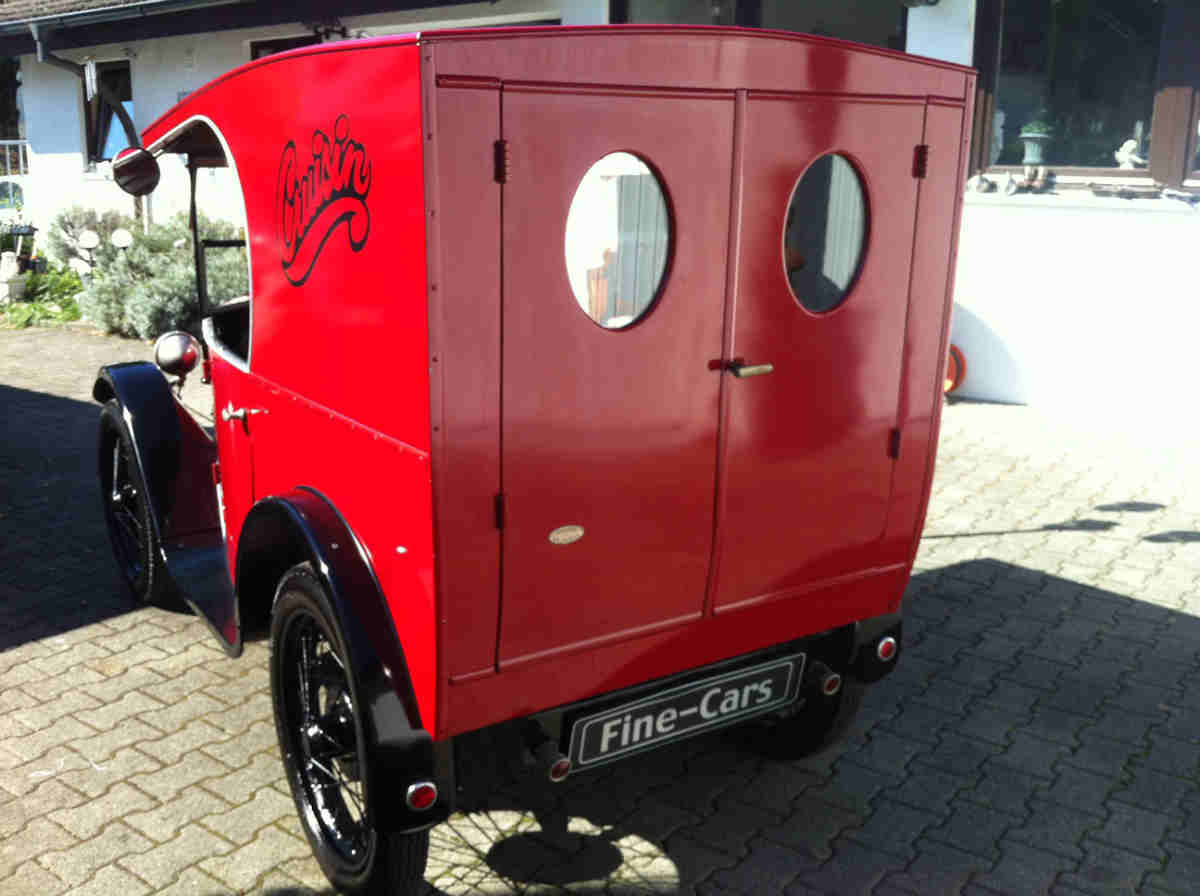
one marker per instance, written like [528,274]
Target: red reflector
[886,649]
[421,796]
[560,769]
[831,684]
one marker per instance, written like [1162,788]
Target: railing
[15,154]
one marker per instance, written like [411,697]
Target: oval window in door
[825,232]
[618,240]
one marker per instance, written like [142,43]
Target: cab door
[818,338]
[615,220]
[233,420]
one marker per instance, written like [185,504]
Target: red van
[588,382]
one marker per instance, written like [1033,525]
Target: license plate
[685,710]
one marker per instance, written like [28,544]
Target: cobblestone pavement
[1041,734]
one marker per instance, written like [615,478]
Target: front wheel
[321,737]
[127,508]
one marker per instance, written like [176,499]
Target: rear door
[820,309]
[615,222]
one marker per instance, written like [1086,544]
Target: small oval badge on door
[566,535]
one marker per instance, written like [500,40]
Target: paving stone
[1024,870]
[108,881]
[36,837]
[194,882]
[47,712]
[696,862]
[1030,755]
[93,778]
[973,828]
[1101,755]
[240,823]
[731,829]
[31,746]
[928,788]
[937,869]
[101,746]
[174,716]
[812,828]
[1004,789]
[240,868]
[236,787]
[161,864]
[80,862]
[1175,757]
[1106,869]
[853,869]
[110,690]
[960,756]
[169,780]
[110,714]
[1133,829]
[31,879]
[87,820]
[768,868]
[894,828]
[1080,789]
[1055,828]
[853,787]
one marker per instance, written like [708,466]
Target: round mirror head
[176,353]
[136,171]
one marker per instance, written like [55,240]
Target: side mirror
[136,171]
[176,353]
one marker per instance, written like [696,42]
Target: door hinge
[920,160]
[501,161]
[894,444]
[499,507]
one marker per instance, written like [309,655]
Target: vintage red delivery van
[588,380]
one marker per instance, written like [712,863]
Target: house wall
[165,69]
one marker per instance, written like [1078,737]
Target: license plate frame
[595,740]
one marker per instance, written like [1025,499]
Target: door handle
[741,369]
[229,412]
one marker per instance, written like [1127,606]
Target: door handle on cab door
[229,412]
[741,369]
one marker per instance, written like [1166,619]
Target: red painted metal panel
[464,202]
[563,678]
[691,57]
[947,132]
[806,473]
[235,452]
[611,430]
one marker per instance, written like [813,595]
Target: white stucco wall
[945,31]
[165,69]
[1078,303]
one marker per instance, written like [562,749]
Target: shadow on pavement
[1068,526]
[56,567]
[1037,733]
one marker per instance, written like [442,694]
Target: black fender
[303,525]
[865,665]
[149,411]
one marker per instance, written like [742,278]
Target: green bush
[63,238]
[56,286]
[49,298]
[150,288]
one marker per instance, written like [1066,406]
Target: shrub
[49,298]
[63,238]
[150,288]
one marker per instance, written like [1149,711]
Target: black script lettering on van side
[312,201]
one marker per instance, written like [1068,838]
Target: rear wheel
[322,740]
[811,727]
[127,507]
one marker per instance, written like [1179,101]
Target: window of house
[261,48]
[106,135]
[879,22]
[1077,80]
[1104,87]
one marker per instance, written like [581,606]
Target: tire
[811,729]
[322,740]
[127,510]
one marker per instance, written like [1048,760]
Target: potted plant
[1036,135]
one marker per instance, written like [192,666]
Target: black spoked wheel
[322,740]
[126,508]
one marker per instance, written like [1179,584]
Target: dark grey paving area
[1041,734]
